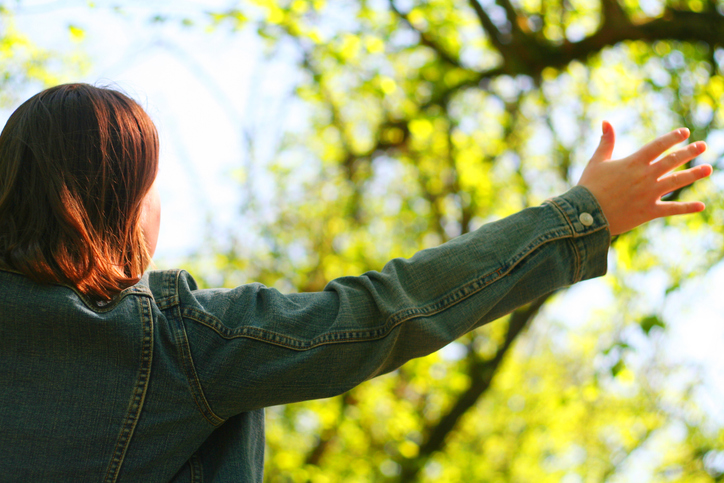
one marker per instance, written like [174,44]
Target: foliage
[428,119]
[24,64]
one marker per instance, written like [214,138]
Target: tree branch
[489,27]
[673,25]
[613,15]
[328,435]
[513,17]
[482,373]
[426,38]
[527,55]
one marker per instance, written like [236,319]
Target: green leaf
[649,322]
[618,367]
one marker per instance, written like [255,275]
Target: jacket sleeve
[253,347]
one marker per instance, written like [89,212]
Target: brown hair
[76,162]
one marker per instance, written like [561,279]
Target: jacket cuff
[591,236]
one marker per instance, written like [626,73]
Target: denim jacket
[168,382]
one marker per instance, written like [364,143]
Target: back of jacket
[99,393]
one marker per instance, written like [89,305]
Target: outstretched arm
[255,347]
[629,190]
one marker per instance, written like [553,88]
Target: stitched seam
[563,212]
[171,287]
[197,390]
[197,473]
[391,323]
[172,279]
[138,396]
[577,271]
[583,233]
[167,302]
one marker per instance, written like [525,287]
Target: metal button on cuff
[586,219]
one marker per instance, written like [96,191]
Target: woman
[110,374]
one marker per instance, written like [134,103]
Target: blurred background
[302,140]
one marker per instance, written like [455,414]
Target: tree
[24,64]
[430,118]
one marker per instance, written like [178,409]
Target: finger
[605,146]
[655,148]
[678,157]
[672,208]
[679,179]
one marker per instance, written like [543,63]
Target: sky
[208,92]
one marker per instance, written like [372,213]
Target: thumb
[605,147]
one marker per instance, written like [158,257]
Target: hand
[629,190]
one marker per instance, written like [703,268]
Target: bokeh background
[304,140]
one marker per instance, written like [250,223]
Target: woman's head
[76,165]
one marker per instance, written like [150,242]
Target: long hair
[76,162]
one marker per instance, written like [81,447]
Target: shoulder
[216,306]
[178,287]
[167,286]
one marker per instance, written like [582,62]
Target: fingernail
[684,132]
[605,127]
